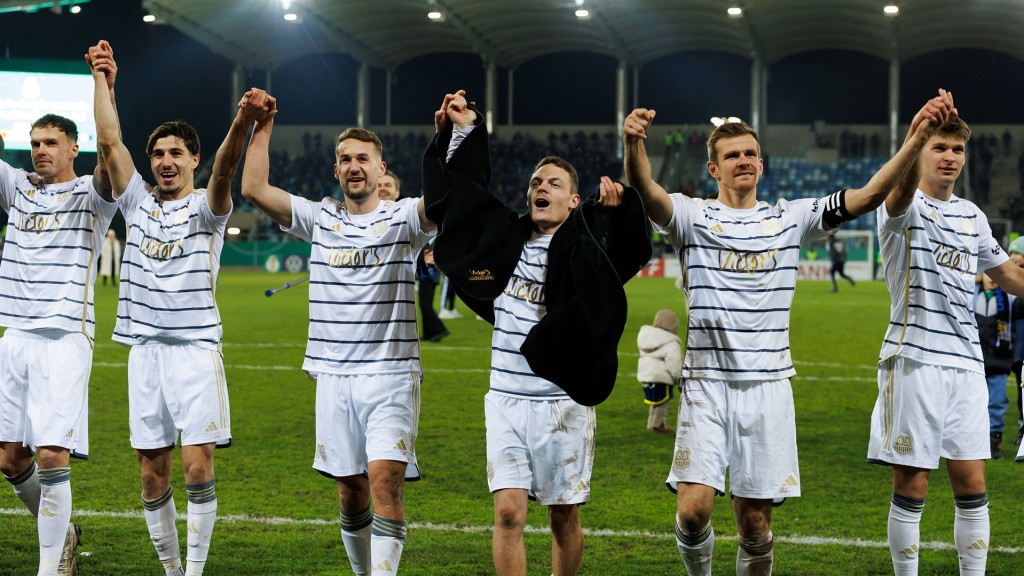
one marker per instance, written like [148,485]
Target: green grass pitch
[278,516]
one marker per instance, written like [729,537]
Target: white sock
[202,514]
[54,516]
[755,556]
[387,540]
[971,533]
[355,535]
[696,549]
[160,515]
[905,534]
[26,487]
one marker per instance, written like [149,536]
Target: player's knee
[199,473]
[969,485]
[754,524]
[14,459]
[52,457]
[564,519]
[509,517]
[753,517]
[694,520]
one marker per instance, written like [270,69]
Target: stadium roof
[387,33]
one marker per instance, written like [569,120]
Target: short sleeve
[304,213]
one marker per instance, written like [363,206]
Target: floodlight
[434,15]
[149,18]
[582,13]
[76,9]
[891,10]
[291,17]
[719,120]
[735,11]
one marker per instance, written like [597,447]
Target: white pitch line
[279,521]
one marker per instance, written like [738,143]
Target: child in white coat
[661,362]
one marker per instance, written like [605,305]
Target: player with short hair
[167,313]
[389,186]
[47,274]
[932,395]
[540,441]
[739,257]
[363,349]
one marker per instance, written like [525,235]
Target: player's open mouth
[541,203]
[167,176]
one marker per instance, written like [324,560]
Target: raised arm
[897,173]
[638,167]
[225,163]
[256,188]
[100,176]
[899,201]
[115,156]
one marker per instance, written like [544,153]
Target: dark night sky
[165,75]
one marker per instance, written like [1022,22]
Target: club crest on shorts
[321,451]
[490,470]
[682,459]
[903,444]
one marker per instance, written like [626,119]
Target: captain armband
[835,210]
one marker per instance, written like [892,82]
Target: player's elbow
[249,190]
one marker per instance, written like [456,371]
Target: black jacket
[591,256]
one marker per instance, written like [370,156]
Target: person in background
[389,187]
[992,311]
[659,367]
[110,258]
[428,277]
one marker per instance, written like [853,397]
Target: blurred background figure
[659,367]
[992,307]
[389,187]
[428,277]
[110,258]
[837,254]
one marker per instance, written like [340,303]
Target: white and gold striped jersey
[170,267]
[53,239]
[932,254]
[516,311]
[362,304]
[740,270]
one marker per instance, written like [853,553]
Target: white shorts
[44,389]
[925,412]
[545,447]
[365,417]
[177,388]
[747,427]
